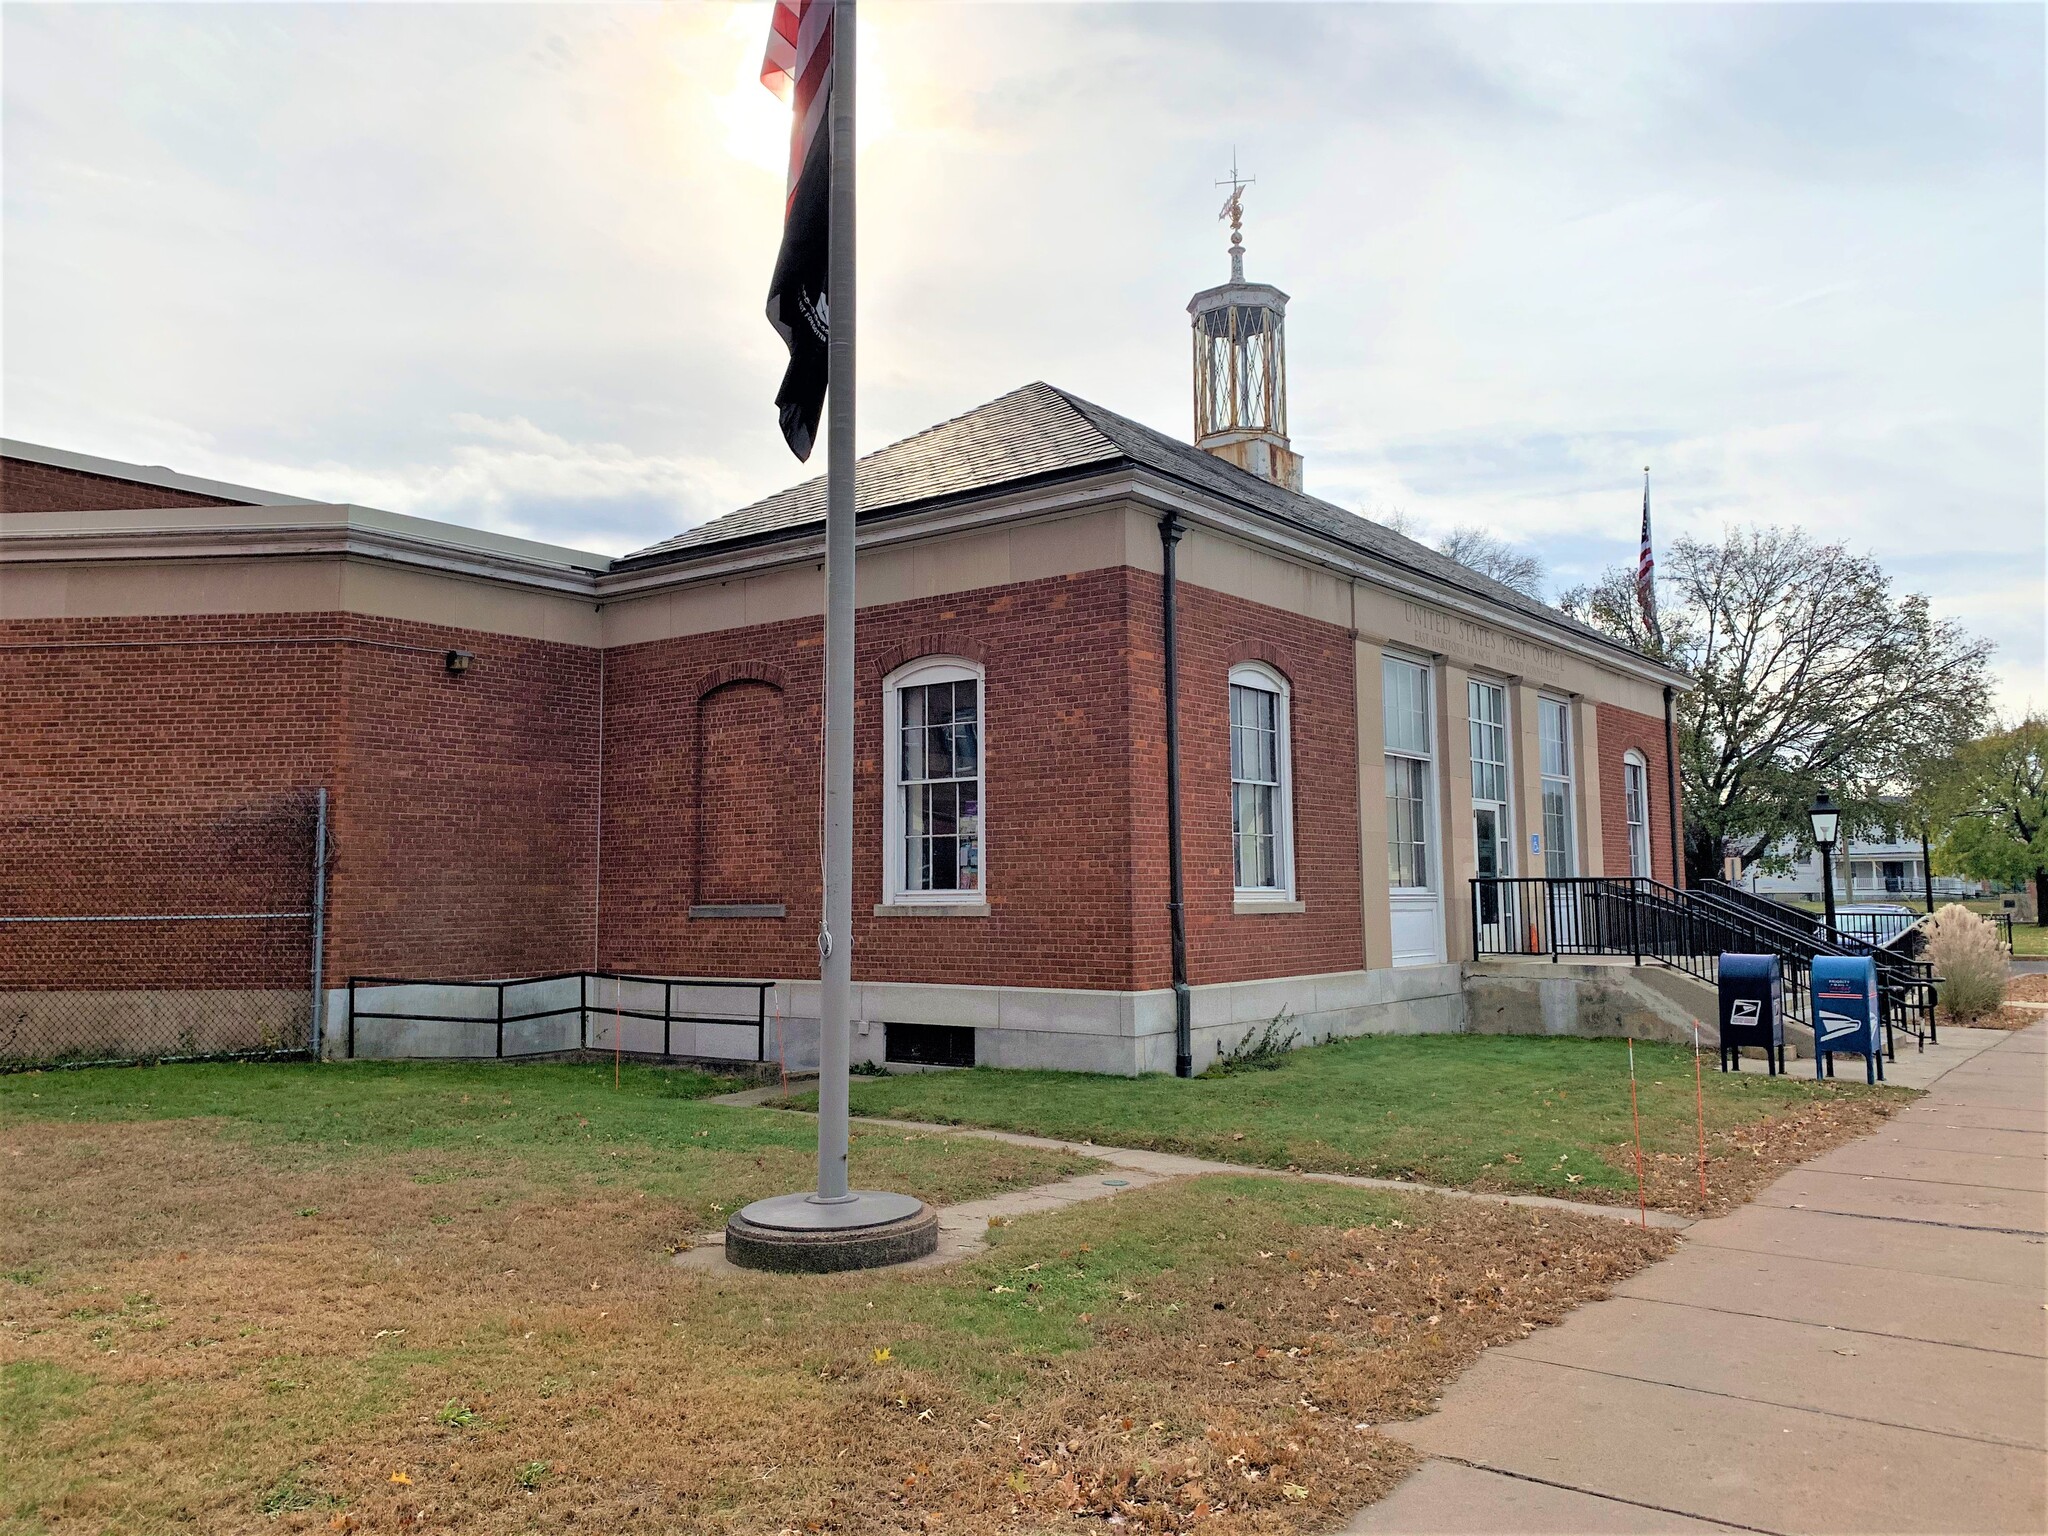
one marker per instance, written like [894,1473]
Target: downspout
[1671,790]
[597,837]
[1170,530]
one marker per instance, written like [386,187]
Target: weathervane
[1233,210]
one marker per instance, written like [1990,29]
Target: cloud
[505,264]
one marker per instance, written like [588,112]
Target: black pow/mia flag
[798,306]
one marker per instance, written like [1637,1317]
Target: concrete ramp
[1598,997]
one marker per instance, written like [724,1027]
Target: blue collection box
[1845,1013]
[1752,1010]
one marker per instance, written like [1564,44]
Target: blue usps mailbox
[1845,1015]
[1752,1010]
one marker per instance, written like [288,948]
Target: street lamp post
[1826,819]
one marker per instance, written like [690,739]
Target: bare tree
[1810,673]
[1491,555]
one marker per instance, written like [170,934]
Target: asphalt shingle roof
[1040,432]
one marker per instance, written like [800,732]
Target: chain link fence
[158,937]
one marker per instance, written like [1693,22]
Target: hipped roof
[1042,433]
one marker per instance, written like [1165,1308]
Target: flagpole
[833,1227]
[835,1008]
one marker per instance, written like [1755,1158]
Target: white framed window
[935,845]
[1486,707]
[1560,820]
[1410,773]
[1261,784]
[1635,803]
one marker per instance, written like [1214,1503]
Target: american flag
[1646,568]
[798,68]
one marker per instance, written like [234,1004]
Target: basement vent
[928,1045]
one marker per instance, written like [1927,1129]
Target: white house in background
[1864,871]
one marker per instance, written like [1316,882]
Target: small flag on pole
[1646,569]
[798,68]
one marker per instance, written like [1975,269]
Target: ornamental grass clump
[1967,956]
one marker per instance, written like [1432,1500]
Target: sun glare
[756,123]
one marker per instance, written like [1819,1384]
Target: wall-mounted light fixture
[458,662]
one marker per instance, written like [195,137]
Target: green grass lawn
[2030,939]
[1485,1111]
[295,1299]
[546,1121]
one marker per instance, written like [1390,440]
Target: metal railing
[584,1009]
[1688,931]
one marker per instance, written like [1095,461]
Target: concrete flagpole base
[807,1235]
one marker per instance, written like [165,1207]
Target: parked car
[1875,922]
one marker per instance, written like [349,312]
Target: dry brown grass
[203,1341]
[1744,1159]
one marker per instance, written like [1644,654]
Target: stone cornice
[306,529]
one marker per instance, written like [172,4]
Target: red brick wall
[1619,730]
[1217,631]
[1058,787]
[464,810]
[26,486]
[468,809]
[146,778]
[139,754]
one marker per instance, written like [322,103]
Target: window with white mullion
[1260,791]
[1409,762]
[936,771]
[1635,797]
[1487,708]
[1560,854]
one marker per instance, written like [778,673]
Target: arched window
[1261,784]
[935,846]
[1635,802]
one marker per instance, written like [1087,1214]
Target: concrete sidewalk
[1863,1348]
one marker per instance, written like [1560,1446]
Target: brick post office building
[623,773]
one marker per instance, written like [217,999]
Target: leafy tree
[1991,801]
[1491,555]
[1809,673]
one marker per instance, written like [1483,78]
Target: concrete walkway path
[1862,1348]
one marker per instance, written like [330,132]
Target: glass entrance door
[1489,839]
[1487,708]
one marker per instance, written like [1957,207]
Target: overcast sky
[505,264]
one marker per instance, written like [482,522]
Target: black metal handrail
[1687,931]
[667,1016]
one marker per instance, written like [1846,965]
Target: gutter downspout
[1671,791]
[1170,531]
